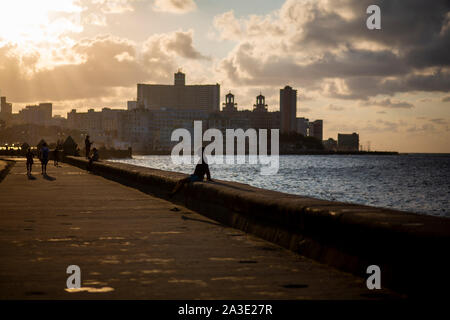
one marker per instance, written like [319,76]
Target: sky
[392,86]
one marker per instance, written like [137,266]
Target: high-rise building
[5,107]
[316,129]
[5,110]
[303,126]
[179,96]
[288,109]
[348,142]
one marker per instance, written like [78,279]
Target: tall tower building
[229,105]
[5,107]
[180,78]
[260,105]
[288,108]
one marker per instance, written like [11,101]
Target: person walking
[29,155]
[44,158]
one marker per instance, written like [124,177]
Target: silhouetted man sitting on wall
[201,169]
[93,158]
[87,144]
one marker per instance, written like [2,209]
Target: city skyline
[392,85]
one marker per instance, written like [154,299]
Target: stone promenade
[130,245]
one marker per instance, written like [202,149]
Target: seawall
[5,166]
[410,249]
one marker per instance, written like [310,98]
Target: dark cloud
[321,42]
[439,121]
[387,103]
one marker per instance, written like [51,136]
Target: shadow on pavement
[49,178]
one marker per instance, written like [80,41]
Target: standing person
[29,155]
[87,144]
[201,169]
[44,158]
[56,155]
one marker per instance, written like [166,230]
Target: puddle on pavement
[200,283]
[165,232]
[154,271]
[232,278]
[90,290]
[222,259]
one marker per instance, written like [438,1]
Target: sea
[409,182]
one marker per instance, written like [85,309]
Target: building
[261,118]
[134,128]
[102,126]
[229,105]
[36,114]
[131,105]
[316,129]
[303,126]
[59,121]
[330,144]
[5,109]
[164,122]
[179,96]
[348,142]
[288,109]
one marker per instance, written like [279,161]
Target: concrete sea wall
[410,249]
[5,166]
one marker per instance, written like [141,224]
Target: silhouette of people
[29,155]
[201,169]
[93,158]
[44,158]
[56,155]
[87,144]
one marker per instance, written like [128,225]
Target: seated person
[93,158]
[201,169]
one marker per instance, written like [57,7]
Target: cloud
[325,46]
[425,128]
[114,6]
[384,126]
[102,65]
[174,6]
[439,121]
[387,103]
[181,43]
[97,75]
[333,107]
[228,26]
[94,67]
